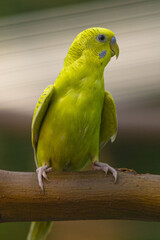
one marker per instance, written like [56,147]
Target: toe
[105,169]
[96,168]
[40,181]
[45,175]
[42,173]
[114,173]
[50,169]
[115,176]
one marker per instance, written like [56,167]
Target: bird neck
[81,74]
[90,59]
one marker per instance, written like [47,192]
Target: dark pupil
[101,37]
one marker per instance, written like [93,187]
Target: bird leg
[105,168]
[42,173]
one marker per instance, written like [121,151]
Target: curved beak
[115,48]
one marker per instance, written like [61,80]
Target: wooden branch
[79,195]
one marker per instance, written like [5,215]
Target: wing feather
[39,114]
[108,129]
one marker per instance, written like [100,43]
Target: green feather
[39,230]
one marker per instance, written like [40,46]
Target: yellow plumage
[76,117]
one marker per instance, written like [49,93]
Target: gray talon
[41,171]
[105,168]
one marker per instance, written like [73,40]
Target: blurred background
[34,39]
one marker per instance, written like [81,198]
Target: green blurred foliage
[9,7]
[14,231]
[16,152]
[142,156]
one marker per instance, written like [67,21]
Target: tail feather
[39,230]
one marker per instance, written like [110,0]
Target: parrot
[75,117]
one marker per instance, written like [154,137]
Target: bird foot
[42,173]
[105,168]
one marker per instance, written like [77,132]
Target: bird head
[93,45]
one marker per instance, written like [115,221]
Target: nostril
[113,40]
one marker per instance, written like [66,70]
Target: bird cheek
[102,54]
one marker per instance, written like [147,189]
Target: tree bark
[79,196]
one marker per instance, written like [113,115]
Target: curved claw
[105,168]
[44,175]
[41,171]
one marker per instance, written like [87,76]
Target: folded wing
[108,129]
[39,114]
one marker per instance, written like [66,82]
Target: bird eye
[101,38]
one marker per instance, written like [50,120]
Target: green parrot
[75,117]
